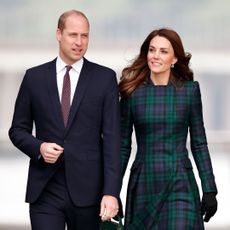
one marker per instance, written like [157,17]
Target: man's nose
[78,40]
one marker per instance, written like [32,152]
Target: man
[74,173]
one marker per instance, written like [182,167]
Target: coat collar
[51,82]
[83,82]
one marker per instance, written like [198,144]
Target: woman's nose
[156,54]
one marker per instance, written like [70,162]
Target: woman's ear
[174,60]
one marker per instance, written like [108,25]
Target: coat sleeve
[20,132]
[126,132]
[111,140]
[199,143]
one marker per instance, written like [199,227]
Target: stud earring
[172,66]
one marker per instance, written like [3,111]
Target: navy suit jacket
[91,139]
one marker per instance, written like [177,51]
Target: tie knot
[68,68]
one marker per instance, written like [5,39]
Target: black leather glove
[208,205]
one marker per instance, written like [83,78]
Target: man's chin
[77,57]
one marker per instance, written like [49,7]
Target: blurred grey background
[118,28]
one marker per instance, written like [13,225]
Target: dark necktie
[65,99]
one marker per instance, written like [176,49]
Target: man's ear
[58,34]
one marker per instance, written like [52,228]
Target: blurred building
[117,30]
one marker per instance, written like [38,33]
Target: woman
[162,102]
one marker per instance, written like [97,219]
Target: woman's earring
[172,66]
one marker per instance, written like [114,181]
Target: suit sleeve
[20,132]
[126,132]
[199,143]
[111,140]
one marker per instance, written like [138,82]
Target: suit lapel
[83,82]
[51,80]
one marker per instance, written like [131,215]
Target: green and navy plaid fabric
[162,191]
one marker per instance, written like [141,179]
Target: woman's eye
[151,50]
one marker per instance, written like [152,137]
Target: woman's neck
[160,79]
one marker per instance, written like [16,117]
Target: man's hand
[109,207]
[50,152]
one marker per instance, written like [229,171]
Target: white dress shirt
[73,73]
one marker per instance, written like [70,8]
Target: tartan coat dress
[162,190]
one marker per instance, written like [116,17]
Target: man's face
[73,39]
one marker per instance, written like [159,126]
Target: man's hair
[65,15]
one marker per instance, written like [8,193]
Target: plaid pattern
[162,191]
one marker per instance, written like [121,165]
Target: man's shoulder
[42,66]
[98,67]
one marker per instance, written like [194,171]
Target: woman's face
[160,56]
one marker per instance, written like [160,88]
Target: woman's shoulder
[192,87]
[140,91]
[136,94]
[191,84]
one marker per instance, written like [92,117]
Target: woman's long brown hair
[135,74]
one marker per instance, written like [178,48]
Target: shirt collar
[77,66]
